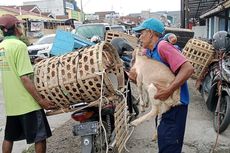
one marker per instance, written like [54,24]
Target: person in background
[72,29]
[172,125]
[171,38]
[25,117]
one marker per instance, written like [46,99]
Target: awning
[200,7]
[217,9]
[35,18]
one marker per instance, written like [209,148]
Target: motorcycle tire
[224,115]
[99,140]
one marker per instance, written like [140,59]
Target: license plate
[86,128]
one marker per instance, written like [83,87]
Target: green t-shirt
[15,62]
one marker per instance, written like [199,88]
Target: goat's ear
[134,53]
[137,50]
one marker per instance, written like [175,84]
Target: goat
[150,72]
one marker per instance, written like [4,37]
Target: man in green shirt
[24,105]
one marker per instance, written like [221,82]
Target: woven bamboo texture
[200,54]
[114,34]
[121,127]
[74,78]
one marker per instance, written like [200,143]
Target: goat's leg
[147,116]
[154,130]
[156,124]
[154,110]
[140,92]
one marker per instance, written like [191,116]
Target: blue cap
[151,24]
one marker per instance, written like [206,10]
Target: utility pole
[82,16]
[182,14]
[186,14]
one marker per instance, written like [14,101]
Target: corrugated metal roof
[199,7]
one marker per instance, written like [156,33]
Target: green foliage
[25,40]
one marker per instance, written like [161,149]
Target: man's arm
[28,84]
[185,71]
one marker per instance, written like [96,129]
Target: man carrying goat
[172,125]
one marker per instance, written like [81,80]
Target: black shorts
[32,126]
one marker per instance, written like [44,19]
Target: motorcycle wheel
[204,94]
[224,115]
[99,140]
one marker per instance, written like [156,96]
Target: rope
[61,107]
[100,107]
[77,65]
[128,139]
[59,86]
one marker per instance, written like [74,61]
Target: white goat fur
[150,72]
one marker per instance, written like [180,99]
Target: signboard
[69,5]
[36,26]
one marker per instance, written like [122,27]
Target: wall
[200,31]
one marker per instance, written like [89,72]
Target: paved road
[199,137]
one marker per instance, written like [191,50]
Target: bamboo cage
[76,77]
[115,34]
[200,54]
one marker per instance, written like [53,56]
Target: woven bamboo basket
[75,77]
[121,128]
[114,34]
[200,54]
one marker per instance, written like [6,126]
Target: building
[172,16]
[56,7]
[206,17]
[217,19]
[59,8]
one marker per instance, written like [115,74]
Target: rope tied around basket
[59,86]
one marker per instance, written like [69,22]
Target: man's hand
[46,104]
[38,59]
[132,75]
[162,92]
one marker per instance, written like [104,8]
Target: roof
[22,14]
[199,7]
[221,7]
[28,7]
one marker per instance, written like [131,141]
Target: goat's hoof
[154,137]
[142,110]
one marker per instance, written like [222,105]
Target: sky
[124,7]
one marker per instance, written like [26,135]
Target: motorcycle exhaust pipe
[111,145]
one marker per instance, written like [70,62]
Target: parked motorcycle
[215,87]
[97,127]
[92,132]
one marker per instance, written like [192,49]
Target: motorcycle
[97,125]
[93,138]
[215,87]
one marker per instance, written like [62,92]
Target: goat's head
[139,51]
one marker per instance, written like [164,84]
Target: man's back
[14,62]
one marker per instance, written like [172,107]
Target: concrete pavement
[199,137]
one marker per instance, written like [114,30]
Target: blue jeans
[171,130]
